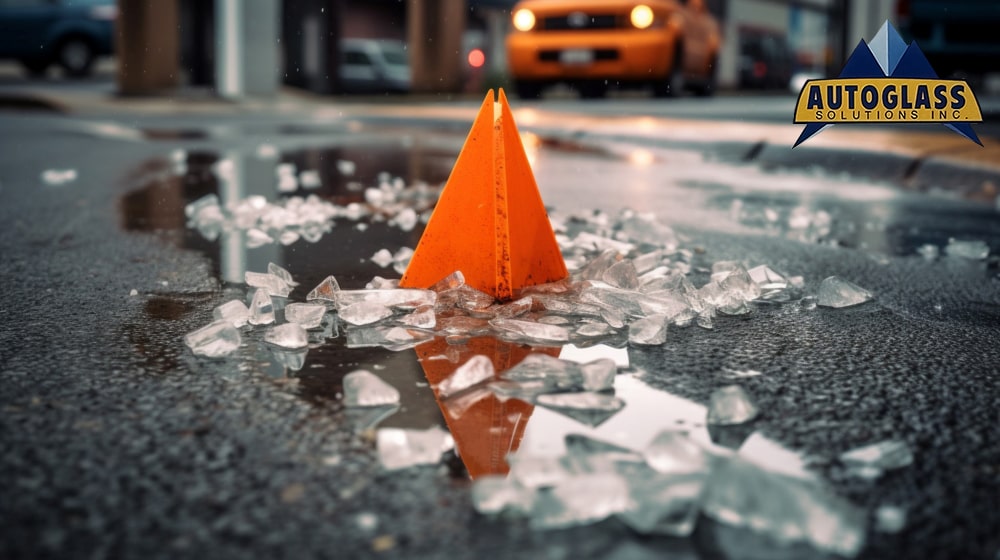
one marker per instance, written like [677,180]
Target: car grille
[599,54]
[579,21]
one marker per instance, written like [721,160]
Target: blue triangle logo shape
[913,64]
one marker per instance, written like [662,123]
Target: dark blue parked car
[70,33]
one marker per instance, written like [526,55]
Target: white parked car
[374,66]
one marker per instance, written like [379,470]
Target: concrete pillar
[246,47]
[147,46]
[496,33]
[434,38]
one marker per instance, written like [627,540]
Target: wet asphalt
[116,442]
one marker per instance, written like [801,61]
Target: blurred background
[237,48]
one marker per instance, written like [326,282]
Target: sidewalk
[918,159]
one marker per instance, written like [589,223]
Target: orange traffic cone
[490,222]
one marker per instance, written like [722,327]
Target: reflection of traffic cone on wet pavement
[488,429]
[490,222]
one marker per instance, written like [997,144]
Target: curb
[936,162]
[921,161]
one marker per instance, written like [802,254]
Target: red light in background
[759,69]
[476,58]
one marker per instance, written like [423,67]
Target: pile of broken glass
[629,284]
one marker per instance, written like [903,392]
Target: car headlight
[524,20]
[641,16]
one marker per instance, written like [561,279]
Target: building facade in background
[252,47]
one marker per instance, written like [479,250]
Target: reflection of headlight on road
[641,158]
[531,143]
[524,20]
[641,16]
[526,116]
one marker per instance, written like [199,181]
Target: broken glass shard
[286,276]
[877,457]
[215,340]
[765,277]
[450,282]
[706,317]
[274,285]
[288,335]
[536,471]
[496,493]
[402,298]
[406,220]
[890,519]
[391,338]
[645,228]
[837,292]
[588,455]
[515,308]
[365,418]
[364,313]
[580,500]
[364,388]
[327,290]
[542,367]
[235,311]
[673,452]
[401,259]
[257,238]
[309,315]
[648,331]
[479,368]
[458,404]
[195,208]
[613,317]
[622,275]
[595,269]
[730,405]
[310,179]
[598,375]
[581,401]
[462,325]
[662,504]
[783,508]
[379,283]
[382,257]
[532,330]
[400,448]
[928,251]
[346,167]
[422,318]
[522,390]
[293,360]
[464,296]
[974,250]
[261,308]
[591,330]
[647,261]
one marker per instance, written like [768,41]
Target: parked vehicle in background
[959,37]
[70,33]
[374,66]
[766,59]
[670,45]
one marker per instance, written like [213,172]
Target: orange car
[592,44]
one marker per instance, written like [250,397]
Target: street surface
[118,442]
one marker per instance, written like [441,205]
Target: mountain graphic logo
[886,81]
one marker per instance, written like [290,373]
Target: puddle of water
[485,428]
